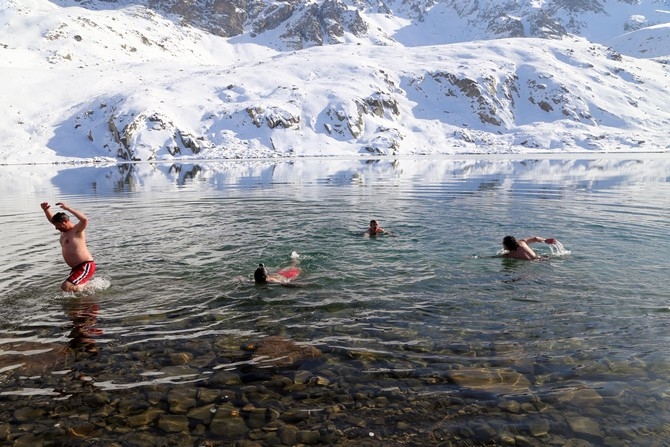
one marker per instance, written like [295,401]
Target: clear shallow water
[423,337]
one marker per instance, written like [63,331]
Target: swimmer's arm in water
[530,240]
[279,280]
[379,233]
[505,254]
[275,278]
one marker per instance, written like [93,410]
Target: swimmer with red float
[282,276]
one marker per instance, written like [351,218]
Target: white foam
[557,249]
[96,284]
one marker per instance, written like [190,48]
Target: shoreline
[461,156]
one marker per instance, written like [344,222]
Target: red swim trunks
[81,273]
[289,272]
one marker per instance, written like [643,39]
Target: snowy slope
[124,82]
[651,42]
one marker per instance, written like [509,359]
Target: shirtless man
[519,249]
[73,245]
[374,229]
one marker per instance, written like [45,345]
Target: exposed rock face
[272,117]
[506,25]
[142,136]
[304,24]
[224,18]
[543,25]
[349,120]
[552,19]
[320,24]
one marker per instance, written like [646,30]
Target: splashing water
[96,284]
[557,249]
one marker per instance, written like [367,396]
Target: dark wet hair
[59,218]
[261,275]
[510,243]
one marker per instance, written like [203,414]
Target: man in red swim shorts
[73,245]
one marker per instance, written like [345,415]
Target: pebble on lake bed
[279,351]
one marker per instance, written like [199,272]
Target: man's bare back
[519,249]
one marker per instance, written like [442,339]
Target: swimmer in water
[519,249]
[374,229]
[283,276]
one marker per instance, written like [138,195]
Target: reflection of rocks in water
[31,358]
[185,172]
[280,352]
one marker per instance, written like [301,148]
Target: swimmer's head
[261,275]
[62,222]
[59,218]
[510,243]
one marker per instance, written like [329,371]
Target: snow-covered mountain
[299,24]
[162,79]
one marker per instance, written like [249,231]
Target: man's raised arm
[530,240]
[47,212]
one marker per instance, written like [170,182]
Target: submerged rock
[497,381]
[280,352]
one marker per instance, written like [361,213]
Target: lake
[417,337]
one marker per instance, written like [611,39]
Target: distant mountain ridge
[299,24]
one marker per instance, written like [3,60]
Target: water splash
[97,284]
[295,255]
[557,249]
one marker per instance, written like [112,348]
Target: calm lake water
[415,338]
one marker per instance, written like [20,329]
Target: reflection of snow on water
[600,173]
